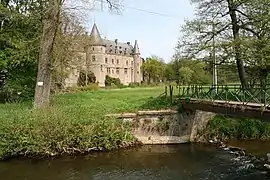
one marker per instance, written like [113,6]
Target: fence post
[171,94]
[165,91]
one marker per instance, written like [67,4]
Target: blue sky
[156,34]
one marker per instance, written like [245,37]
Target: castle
[104,57]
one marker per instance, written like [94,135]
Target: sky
[157,33]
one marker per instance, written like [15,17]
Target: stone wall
[166,126]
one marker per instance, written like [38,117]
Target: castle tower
[95,55]
[137,63]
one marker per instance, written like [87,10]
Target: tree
[185,75]
[153,69]
[19,38]
[51,20]
[190,71]
[225,27]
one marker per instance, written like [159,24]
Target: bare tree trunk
[44,75]
[236,36]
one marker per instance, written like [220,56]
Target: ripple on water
[175,162]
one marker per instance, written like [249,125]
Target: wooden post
[166,91]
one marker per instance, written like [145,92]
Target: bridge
[231,100]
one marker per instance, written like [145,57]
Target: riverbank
[224,128]
[74,123]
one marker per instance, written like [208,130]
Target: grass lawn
[93,103]
[73,121]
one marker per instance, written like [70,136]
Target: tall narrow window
[112,61]
[106,60]
[101,68]
[117,70]
[93,58]
[125,70]
[108,70]
[127,63]
[117,61]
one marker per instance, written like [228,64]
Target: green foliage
[157,103]
[237,128]
[58,130]
[75,121]
[89,87]
[19,40]
[113,82]
[185,75]
[190,72]
[82,81]
[153,69]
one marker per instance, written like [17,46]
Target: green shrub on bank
[224,127]
[57,130]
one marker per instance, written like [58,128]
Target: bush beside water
[57,130]
[225,128]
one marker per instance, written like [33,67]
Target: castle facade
[104,57]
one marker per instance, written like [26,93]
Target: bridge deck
[208,101]
[234,108]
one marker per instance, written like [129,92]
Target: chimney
[128,43]
[116,41]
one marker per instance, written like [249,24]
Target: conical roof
[95,37]
[136,49]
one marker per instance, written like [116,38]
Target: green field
[73,122]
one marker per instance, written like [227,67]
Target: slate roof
[112,47]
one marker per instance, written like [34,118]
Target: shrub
[109,81]
[225,127]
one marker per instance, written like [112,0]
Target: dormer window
[93,58]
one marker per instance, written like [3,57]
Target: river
[174,162]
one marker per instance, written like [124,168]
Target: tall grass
[75,122]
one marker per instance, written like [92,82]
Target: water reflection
[149,162]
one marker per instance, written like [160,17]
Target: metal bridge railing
[226,93]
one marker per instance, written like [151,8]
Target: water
[175,162]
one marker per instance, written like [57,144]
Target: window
[132,63]
[112,61]
[117,70]
[93,58]
[106,60]
[138,72]
[126,70]
[101,68]
[112,71]
[108,70]
[127,63]
[117,61]
[101,49]
[93,49]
